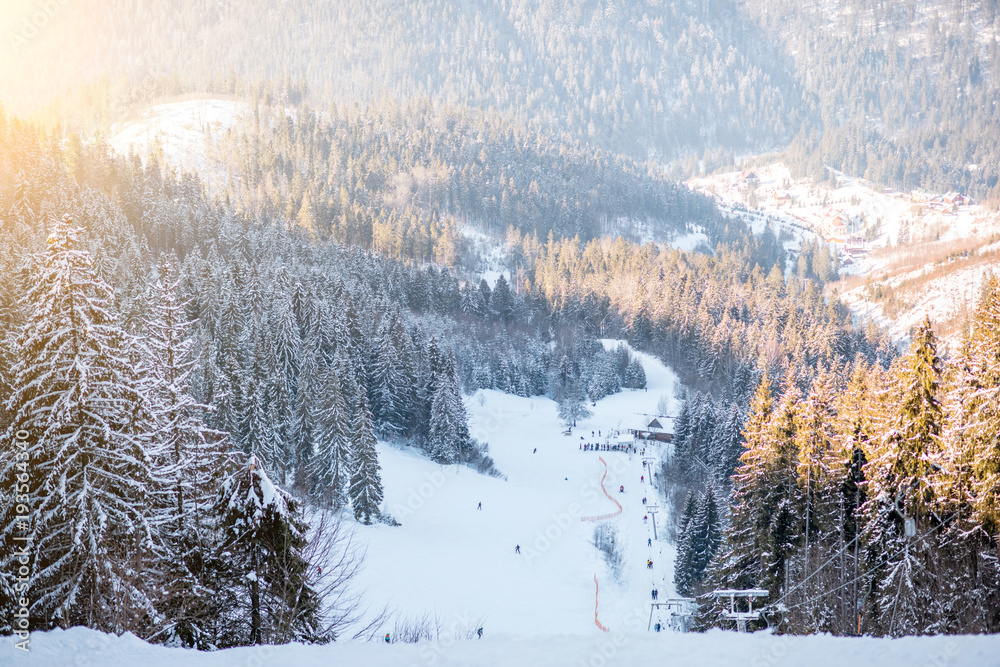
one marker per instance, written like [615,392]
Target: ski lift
[741,617]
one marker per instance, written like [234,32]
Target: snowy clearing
[458,563]
[80,646]
[185,131]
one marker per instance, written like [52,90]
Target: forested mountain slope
[643,78]
[901,93]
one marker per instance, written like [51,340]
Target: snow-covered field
[457,563]
[184,131]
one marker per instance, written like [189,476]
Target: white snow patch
[186,132]
[632,647]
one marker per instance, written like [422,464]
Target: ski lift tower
[681,613]
[653,509]
[741,617]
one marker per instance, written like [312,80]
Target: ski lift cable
[882,561]
[848,546]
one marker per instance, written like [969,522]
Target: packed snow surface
[457,563]
[79,646]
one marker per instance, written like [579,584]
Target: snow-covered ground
[457,563]
[184,131]
[82,647]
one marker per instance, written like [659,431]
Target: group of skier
[606,447]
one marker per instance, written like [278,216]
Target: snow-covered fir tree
[330,468]
[77,396]
[268,594]
[188,463]
[366,477]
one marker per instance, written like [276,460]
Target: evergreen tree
[366,479]
[330,469]
[572,406]
[706,537]
[727,444]
[981,407]
[900,474]
[77,397]
[269,595]
[635,375]
[684,559]
[448,439]
[187,457]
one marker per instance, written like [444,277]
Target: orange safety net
[597,590]
[604,516]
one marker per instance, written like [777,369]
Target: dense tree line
[716,319]
[900,93]
[190,378]
[404,179]
[866,501]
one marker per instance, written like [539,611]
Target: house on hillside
[837,225]
[782,197]
[748,181]
[954,199]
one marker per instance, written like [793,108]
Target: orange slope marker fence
[597,590]
[604,516]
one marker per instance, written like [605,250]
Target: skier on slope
[517,549]
[480,506]
[649,541]
[621,489]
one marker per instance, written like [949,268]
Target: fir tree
[330,469]
[187,457]
[366,479]
[572,406]
[705,528]
[444,441]
[269,595]
[77,397]
[684,559]
[900,488]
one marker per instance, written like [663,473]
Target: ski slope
[459,564]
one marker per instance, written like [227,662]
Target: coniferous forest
[200,377]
